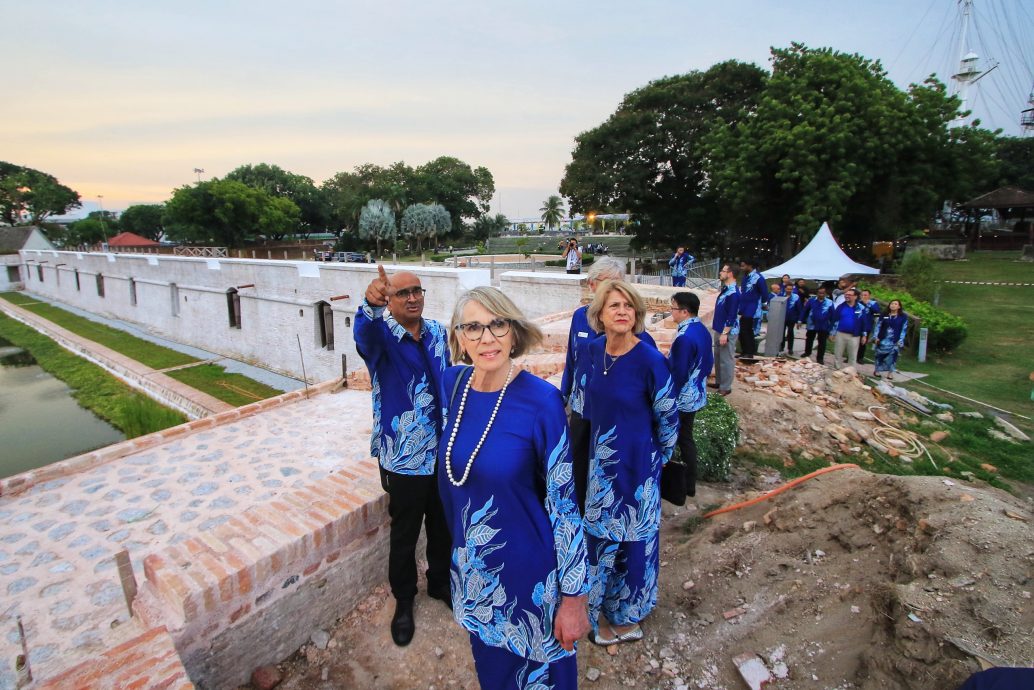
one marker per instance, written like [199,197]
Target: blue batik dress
[635,422]
[891,334]
[517,536]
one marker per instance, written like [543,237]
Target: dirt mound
[849,580]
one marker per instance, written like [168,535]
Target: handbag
[673,483]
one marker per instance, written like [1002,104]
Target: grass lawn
[234,389]
[154,356]
[995,361]
[93,388]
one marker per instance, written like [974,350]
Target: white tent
[822,259]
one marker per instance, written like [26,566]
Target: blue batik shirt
[818,314]
[406,375]
[680,265]
[726,308]
[517,541]
[576,368]
[635,424]
[793,309]
[752,294]
[691,359]
[850,320]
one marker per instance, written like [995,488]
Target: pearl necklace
[484,435]
[613,361]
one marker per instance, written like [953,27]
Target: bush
[946,331]
[716,432]
[919,274]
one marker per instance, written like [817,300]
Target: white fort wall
[186,299]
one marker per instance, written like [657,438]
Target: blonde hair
[602,291]
[526,334]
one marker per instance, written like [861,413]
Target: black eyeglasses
[416,292]
[474,330]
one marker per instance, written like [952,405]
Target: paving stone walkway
[58,539]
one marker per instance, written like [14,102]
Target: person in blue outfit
[519,573]
[725,325]
[406,355]
[848,328]
[794,314]
[872,315]
[890,339]
[690,360]
[753,294]
[818,316]
[576,371]
[680,263]
[630,401]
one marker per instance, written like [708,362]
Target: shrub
[946,331]
[716,432]
[919,274]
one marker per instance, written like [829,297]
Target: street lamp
[104,227]
[198,172]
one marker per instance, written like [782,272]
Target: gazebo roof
[129,239]
[1003,197]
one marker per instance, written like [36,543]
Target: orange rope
[781,489]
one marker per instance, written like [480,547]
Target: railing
[701,275]
[208,252]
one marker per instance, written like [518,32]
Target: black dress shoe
[402,624]
[442,595]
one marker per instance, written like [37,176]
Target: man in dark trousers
[406,355]
[753,293]
[690,360]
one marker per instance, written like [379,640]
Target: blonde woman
[630,403]
[519,576]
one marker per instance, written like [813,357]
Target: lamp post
[104,226]
[198,172]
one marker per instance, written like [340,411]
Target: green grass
[994,363]
[147,353]
[93,388]
[234,389]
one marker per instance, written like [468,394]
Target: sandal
[602,641]
[633,635]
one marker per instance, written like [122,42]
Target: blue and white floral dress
[517,536]
[634,417]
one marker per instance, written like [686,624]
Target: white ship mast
[968,70]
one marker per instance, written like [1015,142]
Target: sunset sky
[125,99]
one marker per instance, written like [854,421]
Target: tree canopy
[650,157]
[1016,157]
[40,195]
[425,221]
[314,212]
[552,210]
[226,213]
[377,222]
[145,220]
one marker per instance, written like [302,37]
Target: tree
[86,232]
[417,223]
[1017,163]
[552,210]
[650,158]
[832,138]
[25,190]
[377,222]
[145,220]
[314,210]
[227,213]
[465,192]
[490,226]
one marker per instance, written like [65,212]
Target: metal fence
[701,275]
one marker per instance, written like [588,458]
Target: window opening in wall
[233,307]
[39,272]
[132,292]
[325,324]
[12,275]
[174,296]
[77,286]
[100,285]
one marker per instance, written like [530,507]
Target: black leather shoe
[402,624]
[442,595]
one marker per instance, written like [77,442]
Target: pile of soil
[848,580]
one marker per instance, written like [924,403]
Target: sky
[123,100]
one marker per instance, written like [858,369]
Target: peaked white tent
[822,259]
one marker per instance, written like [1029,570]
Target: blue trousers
[501,669]
[678,281]
[623,579]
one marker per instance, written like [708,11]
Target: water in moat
[40,421]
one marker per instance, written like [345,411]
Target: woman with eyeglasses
[519,577]
[630,403]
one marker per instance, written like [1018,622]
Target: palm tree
[552,211]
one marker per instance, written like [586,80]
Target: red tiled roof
[129,239]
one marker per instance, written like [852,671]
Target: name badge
[583,334]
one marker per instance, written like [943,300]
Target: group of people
[852,317]
[542,507]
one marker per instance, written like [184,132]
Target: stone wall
[538,294]
[186,299]
[943,251]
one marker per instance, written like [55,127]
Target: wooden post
[126,576]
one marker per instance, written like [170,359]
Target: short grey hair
[526,334]
[603,291]
[606,268]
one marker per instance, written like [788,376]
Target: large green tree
[1017,162]
[833,139]
[145,220]
[650,157]
[314,211]
[29,191]
[226,213]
